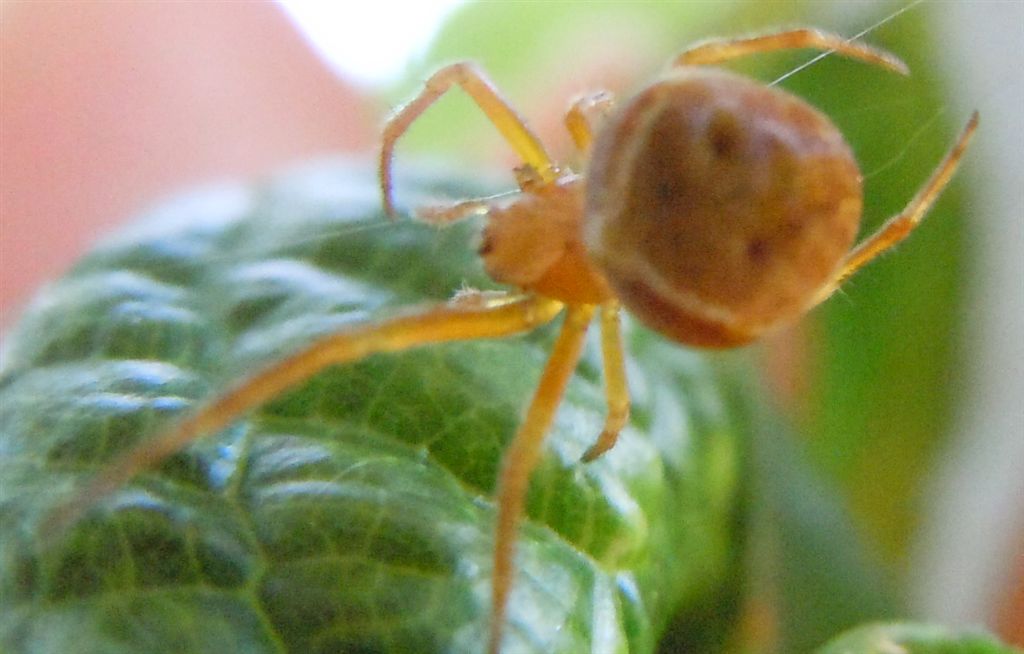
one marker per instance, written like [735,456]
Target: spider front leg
[475,83]
[458,320]
[523,454]
[715,51]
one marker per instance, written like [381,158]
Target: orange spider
[713,207]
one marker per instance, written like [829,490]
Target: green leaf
[809,560]
[911,638]
[353,513]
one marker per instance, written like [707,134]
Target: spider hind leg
[716,51]
[898,227]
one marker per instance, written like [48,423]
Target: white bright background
[967,543]
[373,43]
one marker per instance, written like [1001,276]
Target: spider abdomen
[718,208]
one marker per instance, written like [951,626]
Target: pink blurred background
[106,107]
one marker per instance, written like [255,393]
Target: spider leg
[442,214]
[715,51]
[899,226]
[454,321]
[615,386]
[475,83]
[583,116]
[522,456]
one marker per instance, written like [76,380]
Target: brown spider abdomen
[535,243]
[718,208]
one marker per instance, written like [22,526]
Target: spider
[713,207]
